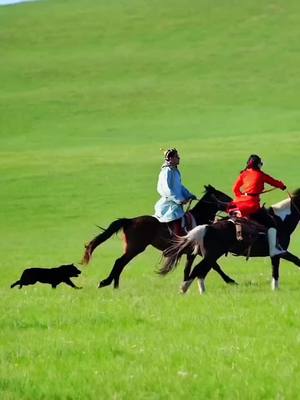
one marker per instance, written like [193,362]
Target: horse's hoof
[185,286]
[233,283]
[275,284]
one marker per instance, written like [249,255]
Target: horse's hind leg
[188,265]
[226,278]
[186,273]
[200,271]
[124,260]
[117,269]
[216,267]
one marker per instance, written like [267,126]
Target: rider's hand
[283,187]
[193,197]
[184,201]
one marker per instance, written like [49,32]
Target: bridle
[216,200]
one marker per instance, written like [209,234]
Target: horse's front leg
[291,257]
[186,273]
[275,272]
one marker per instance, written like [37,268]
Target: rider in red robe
[247,200]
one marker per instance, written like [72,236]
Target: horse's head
[212,201]
[295,200]
[296,195]
[220,199]
[288,211]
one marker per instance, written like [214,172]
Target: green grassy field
[90,91]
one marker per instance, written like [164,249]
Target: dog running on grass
[53,276]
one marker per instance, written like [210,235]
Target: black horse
[146,230]
[213,241]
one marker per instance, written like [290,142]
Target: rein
[268,190]
[258,194]
[224,203]
[189,205]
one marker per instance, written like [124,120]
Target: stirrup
[238,228]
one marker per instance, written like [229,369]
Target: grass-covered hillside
[90,92]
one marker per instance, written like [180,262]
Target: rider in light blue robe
[173,194]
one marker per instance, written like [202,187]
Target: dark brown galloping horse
[146,230]
[215,240]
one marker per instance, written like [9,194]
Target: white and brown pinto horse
[213,241]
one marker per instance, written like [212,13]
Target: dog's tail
[15,284]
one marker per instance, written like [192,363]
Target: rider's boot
[272,238]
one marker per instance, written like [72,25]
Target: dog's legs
[70,283]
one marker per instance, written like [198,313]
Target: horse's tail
[114,227]
[191,243]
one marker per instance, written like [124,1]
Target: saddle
[181,226]
[247,232]
[247,229]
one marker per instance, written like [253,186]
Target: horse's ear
[209,188]
[296,193]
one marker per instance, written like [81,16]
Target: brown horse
[146,230]
[215,240]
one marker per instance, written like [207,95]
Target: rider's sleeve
[273,182]
[187,194]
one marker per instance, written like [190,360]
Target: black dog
[53,276]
